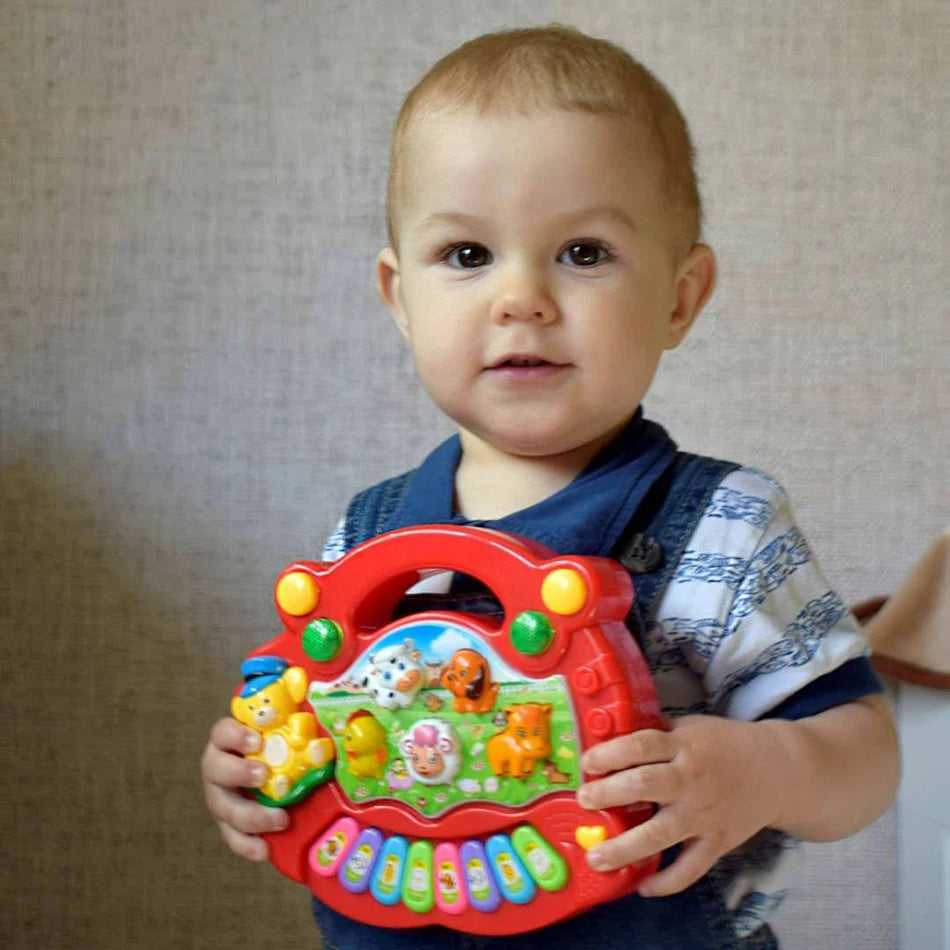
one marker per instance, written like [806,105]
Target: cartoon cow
[394,675]
[433,752]
[525,740]
[468,678]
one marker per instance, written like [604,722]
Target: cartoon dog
[269,703]
[525,741]
[468,678]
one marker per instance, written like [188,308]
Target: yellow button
[564,591]
[589,836]
[297,593]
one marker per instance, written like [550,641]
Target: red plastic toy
[431,762]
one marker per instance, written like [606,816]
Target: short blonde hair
[555,67]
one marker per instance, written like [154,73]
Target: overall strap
[656,536]
[369,511]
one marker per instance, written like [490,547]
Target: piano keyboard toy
[431,762]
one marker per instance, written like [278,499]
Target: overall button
[643,554]
[356,870]
[386,885]
[417,891]
[479,882]
[541,859]
[329,850]
[513,879]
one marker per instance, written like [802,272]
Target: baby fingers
[696,858]
[636,748]
[230,735]
[653,836]
[245,846]
[231,771]
[241,813]
[648,783]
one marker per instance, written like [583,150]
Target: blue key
[386,885]
[512,876]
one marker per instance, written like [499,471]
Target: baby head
[556,68]
[543,221]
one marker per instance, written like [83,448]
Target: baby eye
[467,256]
[585,254]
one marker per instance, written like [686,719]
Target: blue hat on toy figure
[261,671]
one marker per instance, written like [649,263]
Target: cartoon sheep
[433,752]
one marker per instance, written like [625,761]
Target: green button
[322,639]
[417,891]
[543,862]
[531,632]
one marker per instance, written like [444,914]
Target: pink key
[328,851]
[449,889]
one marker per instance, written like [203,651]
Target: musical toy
[430,763]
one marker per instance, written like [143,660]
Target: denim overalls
[695,919]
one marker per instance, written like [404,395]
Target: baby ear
[388,287]
[446,744]
[695,282]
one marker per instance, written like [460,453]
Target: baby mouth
[526,369]
[521,362]
[526,363]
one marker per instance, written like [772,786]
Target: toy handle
[514,569]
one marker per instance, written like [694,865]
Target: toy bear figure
[269,703]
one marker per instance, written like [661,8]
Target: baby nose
[527,301]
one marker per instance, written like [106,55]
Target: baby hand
[224,771]
[714,780]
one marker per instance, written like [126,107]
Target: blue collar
[585,517]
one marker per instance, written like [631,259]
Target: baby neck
[491,483]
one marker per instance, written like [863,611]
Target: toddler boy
[544,251]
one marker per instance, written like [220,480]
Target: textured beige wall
[196,375]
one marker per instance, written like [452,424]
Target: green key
[418,893]
[543,862]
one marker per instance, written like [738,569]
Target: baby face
[536,279]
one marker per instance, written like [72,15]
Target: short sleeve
[785,626]
[335,546]
[763,622]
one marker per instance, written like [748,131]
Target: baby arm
[719,781]
[224,772]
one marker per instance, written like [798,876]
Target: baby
[544,252]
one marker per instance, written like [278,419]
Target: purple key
[482,889]
[356,870]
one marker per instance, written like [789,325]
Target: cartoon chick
[364,742]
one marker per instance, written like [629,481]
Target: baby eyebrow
[448,217]
[610,212]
